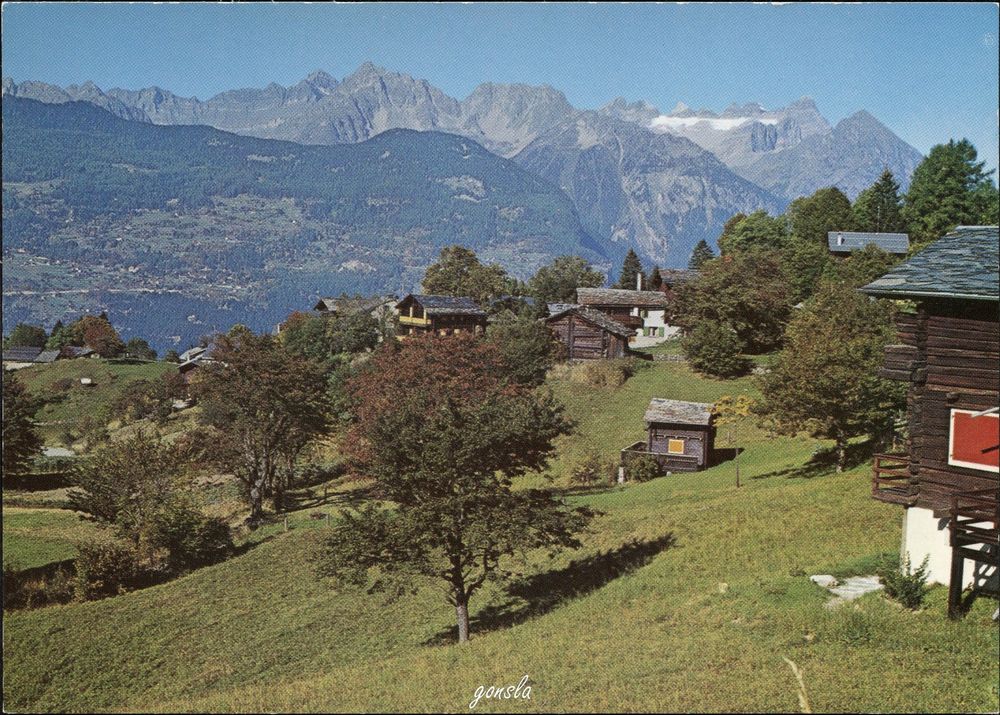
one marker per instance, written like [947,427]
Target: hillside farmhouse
[642,311]
[441,314]
[841,243]
[949,357]
[588,334]
[679,435]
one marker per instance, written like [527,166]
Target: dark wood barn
[588,334]
[680,435]
[440,314]
[948,355]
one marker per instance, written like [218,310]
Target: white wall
[926,535]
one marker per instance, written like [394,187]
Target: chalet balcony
[667,462]
[412,320]
[891,479]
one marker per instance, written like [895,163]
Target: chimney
[840,239]
[638,281]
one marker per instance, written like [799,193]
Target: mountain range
[661,181]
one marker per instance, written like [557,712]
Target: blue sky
[929,71]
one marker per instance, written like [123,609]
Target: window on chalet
[675,446]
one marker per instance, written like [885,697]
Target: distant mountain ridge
[785,152]
[178,229]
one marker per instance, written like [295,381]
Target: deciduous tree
[266,405]
[825,380]
[458,272]
[557,282]
[443,446]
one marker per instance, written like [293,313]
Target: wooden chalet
[949,357]
[440,314]
[631,308]
[680,435]
[588,334]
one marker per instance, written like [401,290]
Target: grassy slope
[35,537]
[78,401]
[702,624]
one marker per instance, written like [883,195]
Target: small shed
[588,334]
[680,435]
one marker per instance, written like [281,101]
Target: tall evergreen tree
[655,279]
[944,189]
[20,437]
[631,268]
[701,253]
[879,208]
[24,335]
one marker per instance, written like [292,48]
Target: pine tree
[944,191]
[701,253]
[655,279]
[879,208]
[631,268]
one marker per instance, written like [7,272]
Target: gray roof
[352,305]
[847,241]
[47,356]
[445,305]
[74,351]
[24,354]
[593,316]
[672,276]
[621,297]
[678,411]
[962,264]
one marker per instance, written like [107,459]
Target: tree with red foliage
[443,429]
[97,333]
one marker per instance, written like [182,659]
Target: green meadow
[688,594]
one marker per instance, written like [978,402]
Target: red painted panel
[975,441]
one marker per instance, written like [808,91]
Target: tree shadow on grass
[824,462]
[536,595]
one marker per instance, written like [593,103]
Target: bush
[189,538]
[906,585]
[605,373]
[642,468]
[592,470]
[105,567]
[714,349]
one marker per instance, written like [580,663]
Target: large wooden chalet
[632,308]
[588,334]
[949,357]
[440,314]
[680,435]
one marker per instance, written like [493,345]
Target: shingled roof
[590,315]
[23,354]
[621,297]
[351,305]
[673,276]
[678,412]
[961,264]
[445,304]
[847,241]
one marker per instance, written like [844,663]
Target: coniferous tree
[946,191]
[702,252]
[631,269]
[655,279]
[20,437]
[879,208]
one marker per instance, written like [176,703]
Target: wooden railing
[411,320]
[975,535]
[891,479]
[673,462]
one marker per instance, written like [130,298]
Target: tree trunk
[841,455]
[462,611]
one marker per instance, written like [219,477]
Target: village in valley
[760,478]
